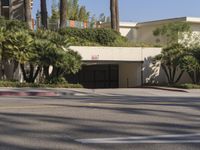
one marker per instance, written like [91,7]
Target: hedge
[104,37]
[37,85]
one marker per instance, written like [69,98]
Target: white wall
[129,54]
[129,60]
[152,73]
[130,75]
[129,33]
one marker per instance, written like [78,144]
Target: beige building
[123,67]
[12,9]
[143,31]
[112,67]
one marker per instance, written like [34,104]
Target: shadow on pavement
[52,130]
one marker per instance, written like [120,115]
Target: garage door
[96,76]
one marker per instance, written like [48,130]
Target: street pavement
[118,119]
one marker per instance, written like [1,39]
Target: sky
[139,10]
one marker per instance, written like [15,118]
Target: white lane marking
[142,142]
[188,138]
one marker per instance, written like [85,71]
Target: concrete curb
[16,93]
[166,89]
[38,92]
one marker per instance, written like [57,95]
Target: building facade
[113,67]
[118,67]
[12,9]
[143,31]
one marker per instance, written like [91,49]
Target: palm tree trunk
[113,14]
[114,11]
[44,14]
[63,13]
[117,14]
[28,16]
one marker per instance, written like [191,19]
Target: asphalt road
[135,119]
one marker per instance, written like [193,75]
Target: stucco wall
[130,75]
[145,34]
[129,60]
[153,73]
[129,33]
[129,54]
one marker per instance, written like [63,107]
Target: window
[5,2]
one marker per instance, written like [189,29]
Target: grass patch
[181,86]
[187,86]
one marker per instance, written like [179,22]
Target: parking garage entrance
[97,76]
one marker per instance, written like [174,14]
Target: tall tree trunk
[44,13]
[117,14]
[63,13]
[28,16]
[113,14]
[10,9]
[114,11]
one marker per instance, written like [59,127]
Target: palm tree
[28,17]
[114,10]
[63,13]
[43,13]
[117,14]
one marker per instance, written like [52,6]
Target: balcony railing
[54,24]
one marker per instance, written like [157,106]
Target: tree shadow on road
[34,130]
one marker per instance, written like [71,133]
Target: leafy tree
[37,51]
[8,27]
[191,64]
[53,52]
[73,11]
[170,59]
[83,14]
[17,48]
[67,61]
[54,11]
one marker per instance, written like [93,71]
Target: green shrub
[182,86]
[99,36]
[187,86]
[59,80]
[37,85]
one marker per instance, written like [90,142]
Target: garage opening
[96,76]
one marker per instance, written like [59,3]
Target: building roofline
[157,22]
[128,24]
[179,19]
[161,21]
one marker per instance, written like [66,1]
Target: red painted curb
[13,93]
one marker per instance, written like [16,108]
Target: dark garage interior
[96,76]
